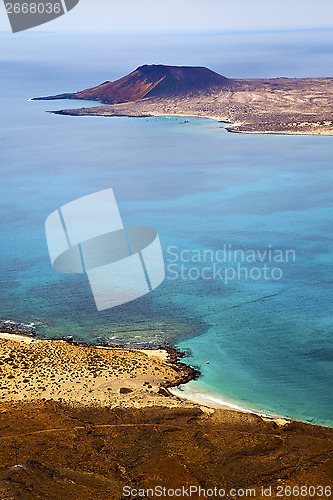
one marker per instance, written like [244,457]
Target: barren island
[277,105]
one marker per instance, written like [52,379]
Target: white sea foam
[211,401]
[229,405]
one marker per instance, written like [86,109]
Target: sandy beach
[17,338]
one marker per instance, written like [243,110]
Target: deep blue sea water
[268,341]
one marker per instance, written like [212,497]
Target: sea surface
[225,205]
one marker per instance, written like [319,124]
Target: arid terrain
[79,422]
[57,370]
[278,105]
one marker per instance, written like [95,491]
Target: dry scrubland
[61,371]
[80,423]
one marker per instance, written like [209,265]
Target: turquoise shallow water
[268,341]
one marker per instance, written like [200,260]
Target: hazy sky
[189,15]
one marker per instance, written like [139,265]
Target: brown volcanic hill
[153,81]
[53,451]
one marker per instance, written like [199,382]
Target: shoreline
[203,400]
[168,357]
[232,127]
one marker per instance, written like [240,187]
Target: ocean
[244,220]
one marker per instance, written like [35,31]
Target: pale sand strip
[17,338]
[161,354]
[210,402]
[206,400]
